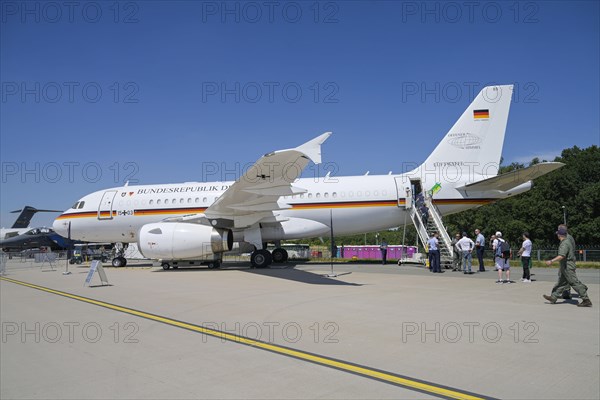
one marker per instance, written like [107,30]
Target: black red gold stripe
[296,206]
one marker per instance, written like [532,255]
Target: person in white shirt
[480,248]
[466,246]
[525,253]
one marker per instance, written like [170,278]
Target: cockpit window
[81,204]
[75,205]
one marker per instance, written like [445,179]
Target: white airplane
[270,203]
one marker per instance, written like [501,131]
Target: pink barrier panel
[374,253]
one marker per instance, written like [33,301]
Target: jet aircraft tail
[474,144]
[27,213]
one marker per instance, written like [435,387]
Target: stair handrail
[421,230]
[439,224]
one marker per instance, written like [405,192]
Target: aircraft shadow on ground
[292,274]
[287,272]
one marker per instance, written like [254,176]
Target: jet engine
[181,240]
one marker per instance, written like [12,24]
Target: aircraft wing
[512,179]
[254,197]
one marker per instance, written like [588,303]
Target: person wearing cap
[466,246]
[502,264]
[567,276]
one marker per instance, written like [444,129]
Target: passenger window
[326,194]
[204,200]
[189,200]
[334,195]
[180,201]
[158,201]
[310,195]
[318,195]
[151,202]
[166,201]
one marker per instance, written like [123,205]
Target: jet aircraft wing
[512,179]
[254,196]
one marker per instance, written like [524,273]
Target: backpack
[503,249]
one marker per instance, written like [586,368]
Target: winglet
[312,148]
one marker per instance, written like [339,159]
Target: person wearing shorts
[502,264]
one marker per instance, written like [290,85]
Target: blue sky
[162,91]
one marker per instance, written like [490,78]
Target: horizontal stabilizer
[512,179]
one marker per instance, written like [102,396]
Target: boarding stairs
[434,224]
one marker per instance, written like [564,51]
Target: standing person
[434,253]
[525,253]
[492,245]
[424,214]
[456,253]
[567,276]
[466,246]
[480,248]
[383,247]
[502,257]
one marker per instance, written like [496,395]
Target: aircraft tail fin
[27,213]
[474,144]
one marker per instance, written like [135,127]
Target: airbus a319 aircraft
[271,203]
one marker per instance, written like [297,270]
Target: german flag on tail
[481,114]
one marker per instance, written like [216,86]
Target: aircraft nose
[61,226]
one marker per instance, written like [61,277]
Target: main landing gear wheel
[280,255]
[214,264]
[261,259]
[119,262]
[165,266]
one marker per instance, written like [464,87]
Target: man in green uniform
[566,273]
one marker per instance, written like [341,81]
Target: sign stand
[46,259]
[96,266]
[67,272]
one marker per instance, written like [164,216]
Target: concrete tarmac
[451,331]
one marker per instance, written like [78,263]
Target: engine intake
[181,240]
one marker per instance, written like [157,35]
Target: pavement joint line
[414,384]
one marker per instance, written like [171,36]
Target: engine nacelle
[181,240]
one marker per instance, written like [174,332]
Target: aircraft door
[105,210]
[404,193]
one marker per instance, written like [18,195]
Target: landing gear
[165,266]
[280,255]
[119,262]
[214,264]
[261,258]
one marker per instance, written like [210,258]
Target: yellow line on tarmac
[383,376]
